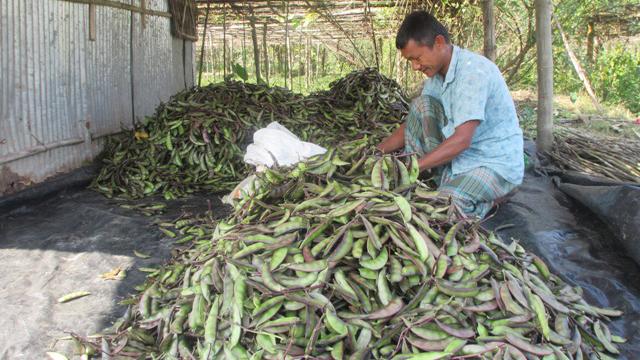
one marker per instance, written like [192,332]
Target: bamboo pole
[210,58]
[224,40]
[204,36]
[545,75]
[316,68]
[256,50]
[324,61]
[244,45]
[307,64]
[367,11]
[406,73]
[265,52]
[391,63]
[332,21]
[300,66]
[398,67]
[232,58]
[123,6]
[288,75]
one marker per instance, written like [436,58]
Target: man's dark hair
[421,27]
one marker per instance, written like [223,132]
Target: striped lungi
[473,192]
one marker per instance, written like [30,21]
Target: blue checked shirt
[474,89]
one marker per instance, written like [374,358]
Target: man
[464,125]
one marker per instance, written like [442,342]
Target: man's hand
[451,147]
[394,142]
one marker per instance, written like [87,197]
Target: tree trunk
[545,75]
[578,68]
[489,23]
[265,53]
[591,34]
[256,50]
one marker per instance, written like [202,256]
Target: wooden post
[545,75]
[265,52]
[143,17]
[489,23]
[204,36]
[256,50]
[92,22]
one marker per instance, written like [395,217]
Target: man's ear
[439,41]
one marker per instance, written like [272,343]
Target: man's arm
[393,142]
[451,147]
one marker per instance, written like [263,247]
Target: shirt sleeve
[470,96]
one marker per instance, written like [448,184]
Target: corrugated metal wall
[61,93]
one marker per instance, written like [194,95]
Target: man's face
[427,60]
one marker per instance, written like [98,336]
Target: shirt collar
[451,72]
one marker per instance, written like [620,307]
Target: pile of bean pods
[196,141]
[350,256]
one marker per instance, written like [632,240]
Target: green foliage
[575,14]
[240,71]
[616,76]
[614,71]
